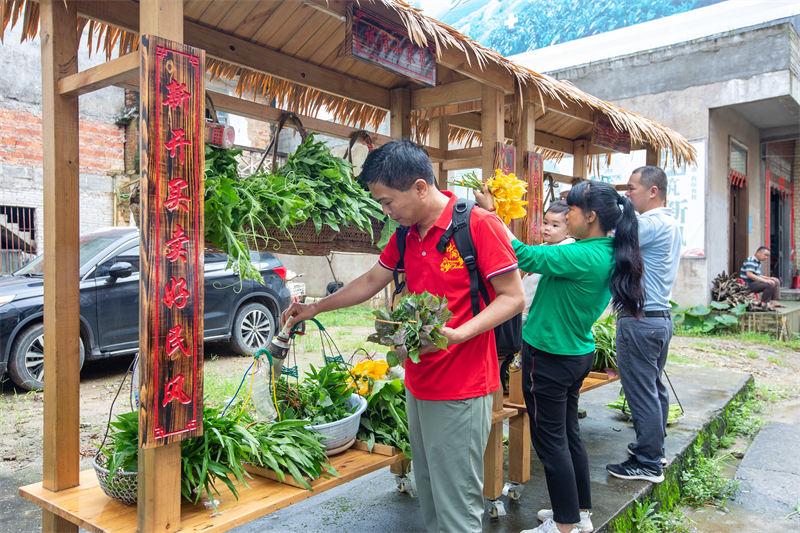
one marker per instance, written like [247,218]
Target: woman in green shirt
[577,282]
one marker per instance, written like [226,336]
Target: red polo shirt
[469,369]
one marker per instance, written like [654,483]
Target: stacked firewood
[727,288]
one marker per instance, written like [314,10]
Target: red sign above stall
[172,242]
[381,42]
[605,135]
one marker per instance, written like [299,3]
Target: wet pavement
[372,503]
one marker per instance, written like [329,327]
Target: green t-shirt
[571,295]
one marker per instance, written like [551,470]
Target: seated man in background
[770,288]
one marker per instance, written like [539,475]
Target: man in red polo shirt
[449,392]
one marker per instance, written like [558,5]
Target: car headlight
[6,298]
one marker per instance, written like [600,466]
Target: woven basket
[122,486]
[305,240]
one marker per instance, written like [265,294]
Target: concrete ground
[371,503]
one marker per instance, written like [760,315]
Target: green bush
[716,317]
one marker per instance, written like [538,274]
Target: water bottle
[262,392]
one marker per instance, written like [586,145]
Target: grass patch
[703,481]
[358,315]
[746,336]
[219,388]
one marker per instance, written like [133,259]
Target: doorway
[780,265]
[738,229]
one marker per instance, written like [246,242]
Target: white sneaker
[548,526]
[584,526]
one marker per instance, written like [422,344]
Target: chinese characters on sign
[378,41]
[171,330]
[534,174]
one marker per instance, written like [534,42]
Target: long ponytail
[616,212]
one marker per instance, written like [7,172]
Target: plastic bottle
[262,392]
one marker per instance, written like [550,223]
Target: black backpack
[508,335]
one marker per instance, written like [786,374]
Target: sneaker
[548,527]
[584,526]
[630,452]
[633,469]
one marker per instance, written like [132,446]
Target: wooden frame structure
[289,52]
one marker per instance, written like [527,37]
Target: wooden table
[87,505]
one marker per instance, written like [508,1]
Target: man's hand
[297,312]
[484,198]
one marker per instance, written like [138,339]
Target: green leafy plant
[385,420]
[702,482]
[622,405]
[415,323]
[287,447]
[716,317]
[605,341]
[313,185]
[320,398]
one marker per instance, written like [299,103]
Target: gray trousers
[448,439]
[642,348]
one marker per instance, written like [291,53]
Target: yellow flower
[365,373]
[507,192]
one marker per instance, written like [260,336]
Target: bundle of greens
[313,185]
[228,441]
[415,323]
[320,398]
[385,420]
[288,447]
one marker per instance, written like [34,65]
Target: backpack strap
[459,231]
[400,238]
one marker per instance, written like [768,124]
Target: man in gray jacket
[643,344]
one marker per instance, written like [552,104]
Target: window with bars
[737,164]
[17,236]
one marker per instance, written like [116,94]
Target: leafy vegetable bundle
[313,185]
[319,399]
[415,323]
[385,420]
[226,443]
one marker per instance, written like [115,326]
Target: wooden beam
[524,129]
[461,164]
[61,420]
[492,128]
[465,153]
[448,94]
[122,70]
[651,157]
[219,45]
[400,113]
[261,111]
[553,142]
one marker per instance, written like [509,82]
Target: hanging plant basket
[122,486]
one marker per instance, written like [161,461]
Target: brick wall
[101,151]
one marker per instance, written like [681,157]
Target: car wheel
[253,328]
[26,366]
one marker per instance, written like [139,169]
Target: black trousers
[551,385]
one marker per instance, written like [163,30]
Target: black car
[245,315]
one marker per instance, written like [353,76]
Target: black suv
[109,303]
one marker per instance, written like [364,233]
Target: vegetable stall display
[312,194]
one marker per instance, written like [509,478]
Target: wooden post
[651,157]
[159,468]
[400,114]
[59,38]
[492,128]
[579,166]
[400,128]
[524,140]
[438,137]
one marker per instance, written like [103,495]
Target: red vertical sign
[171,312]
[534,173]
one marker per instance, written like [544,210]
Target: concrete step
[792,295]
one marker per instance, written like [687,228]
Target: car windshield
[90,246]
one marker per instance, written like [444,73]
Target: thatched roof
[276,25]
